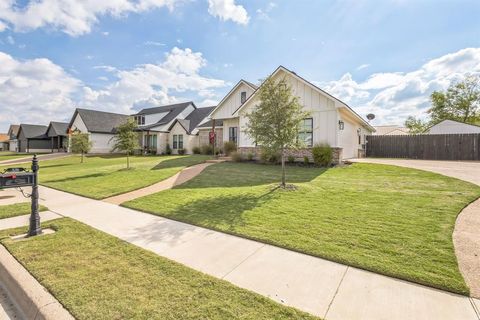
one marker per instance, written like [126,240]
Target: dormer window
[243,97]
[140,120]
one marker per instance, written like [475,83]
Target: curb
[31,299]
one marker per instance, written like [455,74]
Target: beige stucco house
[331,121]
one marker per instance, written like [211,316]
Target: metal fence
[425,146]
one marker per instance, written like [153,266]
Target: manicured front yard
[390,220]
[7,155]
[97,276]
[104,176]
[17,209]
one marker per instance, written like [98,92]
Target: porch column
[51,143]
[59,140]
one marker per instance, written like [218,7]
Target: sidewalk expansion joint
[241,262]
[336,291]
[475,308]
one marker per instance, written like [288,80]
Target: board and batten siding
[321,107]
[231,104]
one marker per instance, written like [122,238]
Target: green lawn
[17,209]
[104,176]
[97,276]
[390,220]
[7,155]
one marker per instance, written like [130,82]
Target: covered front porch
[152,142]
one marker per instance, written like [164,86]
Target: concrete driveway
[464,170]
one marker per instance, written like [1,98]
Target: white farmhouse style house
[331,120]
[174,125]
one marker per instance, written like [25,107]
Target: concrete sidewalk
[323,288]
[181,177]
[24,220]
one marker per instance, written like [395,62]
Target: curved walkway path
[466,236]
[175,180]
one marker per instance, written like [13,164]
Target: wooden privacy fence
[425,146]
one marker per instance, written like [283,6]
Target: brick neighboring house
[331,121]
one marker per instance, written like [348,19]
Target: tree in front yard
[80,143]
[126,139]
[275,122]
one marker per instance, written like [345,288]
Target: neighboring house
[57,132]
[175,125]
[4,138]
[183,133]
[331,121]
[452,127]
[33,138]
[13,133]
[390,130]
[99,125]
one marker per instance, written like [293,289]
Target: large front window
[232,134]
[178,141]
[150,141]
[305,134]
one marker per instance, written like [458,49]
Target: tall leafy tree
[460,102]
[275,122]
[415,125]
[80,143]
[126,139]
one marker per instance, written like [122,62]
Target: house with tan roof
[390,130]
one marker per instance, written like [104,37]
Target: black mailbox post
[19,177]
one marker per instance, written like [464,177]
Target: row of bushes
[322,156]
[228,148]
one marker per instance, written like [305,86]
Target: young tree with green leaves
[126,139]
[275,122]
[460,102]
[416,125]
[80,143]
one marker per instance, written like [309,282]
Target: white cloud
[154,84]
[263,14]
[76,18]
[154,43]
[393,96]
[106,33]
[40,91]
[363,66]
[34,91]
[228,10]
[10,40]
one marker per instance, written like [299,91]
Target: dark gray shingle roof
[57,129]
[209,123]
[13,130]
[173,111]
[193,119]
[197,116]
[100,121]
[31,131]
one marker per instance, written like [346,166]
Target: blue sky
[384,57]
